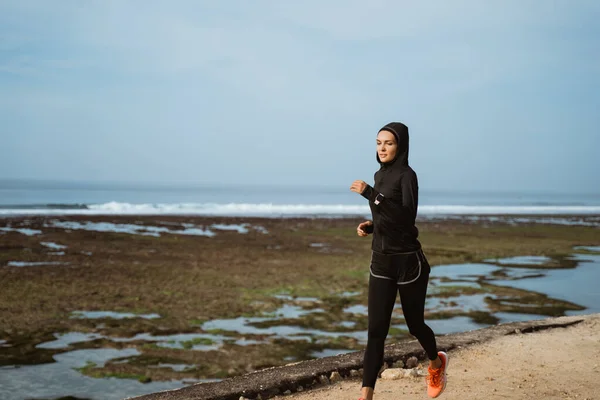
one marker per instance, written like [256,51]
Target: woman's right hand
[360,230]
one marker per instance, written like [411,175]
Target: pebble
[392,373]
[300,389]
[412,362]
[287,392]
[399,364]
[335,377]
[323,379]
[411,373]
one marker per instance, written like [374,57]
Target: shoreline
[316,374]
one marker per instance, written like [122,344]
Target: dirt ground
[559,363]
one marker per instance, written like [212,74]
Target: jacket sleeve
[399,209]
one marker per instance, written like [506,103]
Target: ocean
[67,198]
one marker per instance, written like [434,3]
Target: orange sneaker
[436,378]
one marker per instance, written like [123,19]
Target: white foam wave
[282,210]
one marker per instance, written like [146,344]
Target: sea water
[68,198]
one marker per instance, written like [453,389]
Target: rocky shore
[402,362]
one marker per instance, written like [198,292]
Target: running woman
[398,264]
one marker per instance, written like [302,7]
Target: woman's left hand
[358,186]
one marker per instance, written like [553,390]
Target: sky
[497,95]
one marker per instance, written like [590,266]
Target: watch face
[379,198]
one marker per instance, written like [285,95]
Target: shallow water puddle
[347,324]
[62,378]
[189,341]
[299,299]
[593,249]
[174,367]
[437,286]
[578,285]
[111,314]
[466,272]
[290,311]
[53,246]
[241,228]
[244,325]
[24,231]
[522,260]
[34,264]
[470,274]
[475,302]
[356,309]
[109,227]
[515,317]
[131,229]
[156,231]
[63,341]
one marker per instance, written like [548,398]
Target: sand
[558,363]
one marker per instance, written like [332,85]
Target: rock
[354,373]
[299,389]
[323,380]
[412,362]
[398,364]
[287,392]
[421,372]
[392,373]
[335,377]
[411,373]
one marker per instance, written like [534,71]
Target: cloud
[324,72]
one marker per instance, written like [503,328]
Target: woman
[398,264]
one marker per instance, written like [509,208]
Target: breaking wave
[283,210]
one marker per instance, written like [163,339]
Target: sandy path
[560,363]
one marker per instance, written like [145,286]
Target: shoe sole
[445,369]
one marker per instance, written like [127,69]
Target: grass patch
[394,331]
[188,344]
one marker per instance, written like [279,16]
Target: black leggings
[382,296]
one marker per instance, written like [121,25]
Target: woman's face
[386,146]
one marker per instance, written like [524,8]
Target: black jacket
[394,200]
